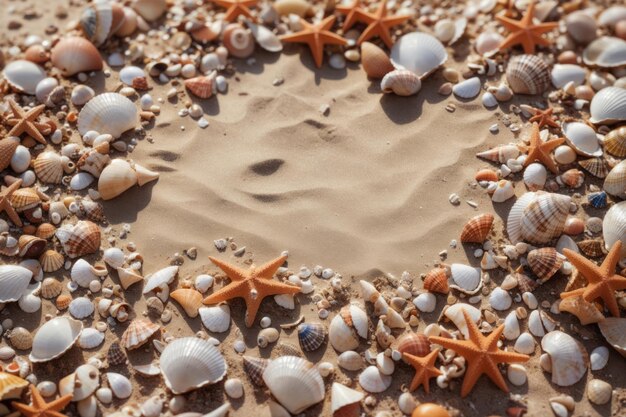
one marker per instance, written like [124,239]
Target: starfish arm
[327,23]
[574,293]
[612,258]
[299,37]
[36,398]
[506,356]
[545,27]
[332,38]
[368,33]
[23,408]
[473,372]
[10,211]
[474,333]
[252,307]
[508,23]
[31,129]
[232,290]
[586,267]
[492,371]
[234,11]
[461,347]
[395,20]
[61,402]
[606,293]
[509,41]
[267,270]
[266,288]
[234,273]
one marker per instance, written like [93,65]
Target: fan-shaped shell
[24,199]
[294,382]
[418,52]
[50,288]
[116,178]
[416,344]
[467,278]
[538,217]
[81,307]
[14,280]
[24,75]
[528,74]
[11,386]
[115,354]
[615,142]
[374,381]
[614,227]
[75,54]
[544,262]
[189,363]
[7,149]
[55,338]
[606,52]
[608,106]
[216,318]
[80,239]
[189,299]
[138,333]
[595,166]
[49,167]
[614,331]
[90,338]
[201,86]
[477,228]
[436,280]
[568,357]
[401,83]
[598,199]
[582,138]
[51,261]
[311,336]
[585,311]
[615,181]
[110,113]
[592,248]
[375,61]
[342,397]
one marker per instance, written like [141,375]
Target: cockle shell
[189,299]
[538,217]
[150,10]
[216,318]
[311,336]
[465,277]
[563,74]
[477,228]
[11,386]
[24,75]
[74,54]
[500,154]
[110,113]
[605,52]
[346,328]
[592,248]
[545,262]
[116,178]
[455,314]
[50,288]
[528,74]
[608,106]
[582,138]
[467,88]
[90,338]
[374,381]
[344,399]
[585,311]
[436,280]
[7,149]
[201,86]
[164,276]
[401,83]
[614,227]
[568,358]
[595,166]
[138,333]
[81,307]
[265,37]
[20,338]
[615,181]
[190,363]
[418,52]
[25,198]
[294,382]
[614,331]
[375,61]
[80,239]
[615,142]
[13,282]
[55,338]
[599,392]
[48,167]
[415,344]
[350,360]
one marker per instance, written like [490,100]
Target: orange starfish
[26,121]
[482,355]
[540,151]
[236,8]
[352,13]
[379,24]
[424,369]
[252,284]
[524,32]
[544,117]
[40,408]
[602,280]
[5,202]
[316,36]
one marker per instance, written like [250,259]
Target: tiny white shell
[599,358]
[81,307]
[374,381]
[120,385]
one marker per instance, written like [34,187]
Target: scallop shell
[110,113]
[11,386]
[535,176]
[586,312]
[50,288]
[24,75]
[595,166]
[189,299]
[55,338]
[374,381]
[120,385]
[455,314]
[80,239]
[128,277]
[436,280]
[342,398]
[294,382]
[90,338]
[375,61]
[467,278]
[614,331]
[597,199]
[418,52]
[7,149]
[477,228]
[605,52]
[201,86]
[115,354]
[401,83]
[311,336]
[150,10]
[615,181]
[164,276]
[608,106]
[528,74]
[538,217]
[254,368]
[24,199]
[51,261]
[599,392]
[614,227]
[81,307]
[116,178]
[545,262]
[216,319]
[415,344]
[13,282]
[350,360]
[190,363]
[563,74]
[500,154]
[138,333]
[582,138]
[467,88]
[568,357]
[75,54]
[615,142]
[346,328]
[265,37]
[592,248]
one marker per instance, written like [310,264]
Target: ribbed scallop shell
[55,338]
[436,280]
[115,354]
[592,248]
[11,385]
[416,344]
[24,199]
[375,61]
[401,83]
[418,52]
[215,319]
[80,239]
[608,105]
[51,261]
[63,301]
[7,149]
[477,228]
[568,357]
[614,331]
[465,277]
[201,86]
[538,217]
[254,368]
[615,142]
[90,338]
[24,75]
[614,226]
[585,311]
[595,166]
[50,288]
[528,74]
[110,113]
[311,336]
[615,181]
[75,54]
[606,52]
[189,363]
[14,280]
[116,178]
[294,382]
[544,262]
[92,210]
[48,167]
[138,333]
[81,307]
[189,299]
[597,199]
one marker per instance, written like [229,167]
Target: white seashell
[163,276]
[500,299]
[203,282]
[233,387]
[605,52]
[599,358]
[82,383]
[29,302]
[455,314]
[114,257]
[401,82]
[81,307]
[265,37]
[81,94]
[615,181]
[128,74]
[116,178]
[90,338]
[81,180]
[563,74]
[189,363]
[54,338]
[24,75]
[468,88]
[374,381]
[285,301]
[612,15]
[599,392]
[47,388]
[535,326]
[13,282]
[342,396]
[294,382]
[564,155]
[216,319]
[110,113]
[343,336]
[426,302]
[444,30]
[608,106]
[489,100]
[614,331]
[535,176]
[525,344]
[614,227]
[511,326]
[20,161]
[418,52]
[151,369]
[504,190]
[385,364]
[488,43]
[120,385]
[6,353]
[516,374]
[582,138]
[350,360]
[104,395]
[152,407]
[83,273]
[467,278]
[568,357]
[45,87]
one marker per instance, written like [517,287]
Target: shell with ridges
[416,344]
[11,385]
[418,52]
[90,338]
[55,338]
[189,299]
[51,261]
[254,368]
[614,227]
[311,336]
[436,280]
[50,288]
[74,54]
[83,238]
[615,142]
[614,331]
[605,52]
[294,382]
[477,228]
[595,166]
[216,318]
[342,397]
[201,86]
[467,278]
[374,381]
[544,262]
[138,333]
[500,154]
[115,354]
[568,358]
[538,217]
[81,307]
[615,181]
[528,74]
[13,282]
[110,113]
[48,167]
[608,106]
[401,83]
[128,277]
[7,149]
[164,276]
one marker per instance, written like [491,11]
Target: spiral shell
[254,368]
[401,83]
[500,154]
[75,54]
[115,354]
[110,113]
[238,40]
[116,178]
[528,74]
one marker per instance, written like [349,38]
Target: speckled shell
[75,54]
[311,336]
[55,338]
[294,382]
[92,210]
[538,217]
[115,354]
[614,227]
[615,181]
[418,52]
[528,74]
[544,262]
[614,331]
[416,344]
[585,311]
[189,299]
[477,228]
[254,368]
[20,338]
[48,167]
[108,113]
[138,333]
[595,166]
[401,83]
[375,61]
[201,86]
[568,357]
[436,280]
[80,239]
[608,105]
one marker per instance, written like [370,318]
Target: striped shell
[528,74]
[585,311]
[24,199]
[375,61]
[418,52]
[416,344]
[615,181]
[608,105]
[110,113]
[595,166]
[311,336]
[13,282]
[101,20]
[436,280]
[597,199]
[254,368]
[614,227]
[477,228]
[189,299]
[80,239]
[55,338]
[401,83]
[592,248]
[614,331]
[50,288]
[568,358]
[63,301]
[92,210]
[48,167]
[615,142]
[138,333]
[7,149]
[544,262]
[11,385]
[538,217]
[201,87]
[115,354]
[51,260]
[75,54]
[31,246]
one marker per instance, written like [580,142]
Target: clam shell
[120,385]
[615,181]
[90,338]
[80,239]
[418,52]
[468,88]
[425,302]
[159,278]
[114,257]
[582,138]
[216,319]
[538,217]
[525,344]
[467,278]
[265,37]
[50,288]
[401,83]
[598,358]
[605,52]
[500,299]
[11,386]
[535,176]
[568,358]
[311,336]
[189,299]
[586,312]
[138,333]
[614,331]
[615,142]
[488,43]
[611,15]
[116,178]
[511,326]
[110,113]
[151,369]
[342,396]
[544,262]
[608,106]
[189,363]
[528,74]
[595,166]
[350,360]
[45,87]
[477,228]
[254,368]
[455,314]
[55,338]
[346,328]
[97,21]
[436,280]
[75,54]
[375,61]
[563,74]
[81,307]
[374,381]
[614,226]
[13,282]
[24,75]
[294,382]
[415,344]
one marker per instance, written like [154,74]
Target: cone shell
[115,354]
[614,227]
[477,228]
[254,368]
[614,331]
[13,282]
[375,61]
[595,166]
[138,333]
[189,363]
[48,167]
[437,281]
[608,105]
[615,181]
[116,178]
[528,74]
[11,386]
[81,239]
[585,311]
[294,382]
[500,154]
[201,87]
[401,83]
[55,338]
[128,277]
[311,336]
[415,344]
[7,149]
[189,299]
[75,54]
[342,397]
[418,52]
[538,217]
[544,262]
[568,358]
[110,113]
[238,40]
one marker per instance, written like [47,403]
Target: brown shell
[477,228]
[50,288]
[45,230]
[140,83]
[375,61]
[436,280]
[21,338]
[63,301]
[592,248]
[525,283]
[93,211]
[24,199]
[81,239]
[544,262]
[31,246]
[254,368]
[115,354]
[7,149]
[48,167]
[201,87]
[189,299]
[586,312]
[528,74]
[595,166]
[573,178]
[51,260]
[416,344]
[615,142]
[486,174]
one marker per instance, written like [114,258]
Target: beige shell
[294,382]
[138,333]
[615,181]
[128,277]
[24,199]
[477,228]
[500,154]
[599,392]
[95,160]
[595,166]
[615,142]
[528,74]
[55,338]
[238,40]
[51,261]
[75,54]
[189,299]
[150,10]
[585,311]
[20,338]
[116,178]
[7,149]
[342,398]
[614,331]
[92,211]
[375,61]
[80,239]
[108,113]
[568,358]
[11,386]
[50,288]
[401,83]
[48,167]
[538,217]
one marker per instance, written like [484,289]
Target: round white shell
[54,338]
[606,52]
[110,113]
[216,318]
[418,52]
[374,381]
[90,338]
[468,88]
[81,307]
[14,280]
[24,75]
[568,356]
[582,138]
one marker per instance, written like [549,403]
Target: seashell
[401,83]
[535,176]
[81,94]
[500,154]
[437,281]
[605,52]
[418,52]
[375,61]
[115,354]
[415,344]
[114,257]
[150,10]
[614,226]
[538,217]
[374,381]
[573,178]
[83,273]
[344,400]
[615,181]
[238,40]
[55,338]
[20,338]
[13,282]
[92,211]
[599,358]
[294,382]
[568,358]
[45,230]
[425,302]
[500,299]
[595,166]
[346,328]
[90,338]
[612,15]
[592,248]
[129,75]
[144,175]
[45,88]
[216,319]
[371,294]
[599,392]
[30,246]
[582,138]
[298,7]
[264,37]
[128,277]
[50,288]
[455,314]
[120,385]
[116,178]
[254,368]
[608,106]
[201,86]
[11,386]
[311,336]
[563,74]
[615,142]
[511,326]
[189,299]
[81,307]
[465,277]
[525,344]
[48,167]
[162,277]
[203,282]
[51,261]
[138,333]
[7,149]
[30,301]
[101,20]
[516,374]
[24,76]
[477,228]
[598,199]
[151,369]
[614,331]
[586,312]
[267,336]
[468,88]
[93,162]
[74,54]
[110,113]
[544,262]
[350,360]
[564,155]
[581,26]
[488,43]
[528,74]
